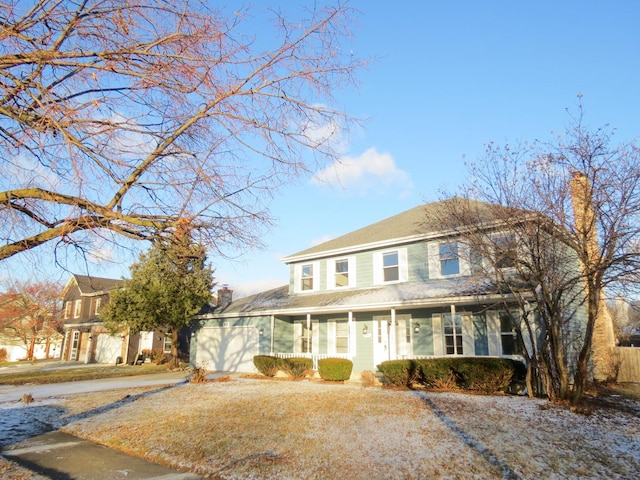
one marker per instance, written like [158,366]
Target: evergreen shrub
[296,367]
[335,369]
[481,374]
[267,365]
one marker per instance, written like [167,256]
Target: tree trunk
[174,363]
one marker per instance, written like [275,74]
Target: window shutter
[434,260]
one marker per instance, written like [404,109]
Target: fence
[628,361]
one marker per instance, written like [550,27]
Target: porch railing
[314,356]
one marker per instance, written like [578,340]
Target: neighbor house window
[166,345]
[342,273]
[68,306]
[78,308]
[452,331]
[511,344]
[307,277]
[449,259]
[390,267]
[97,303]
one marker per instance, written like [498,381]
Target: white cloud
[370,171]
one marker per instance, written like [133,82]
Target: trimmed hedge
[297,367]
[481,374]
[335,369]
[267,365]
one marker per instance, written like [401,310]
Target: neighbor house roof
[407,226]
[90,285]
[279,301]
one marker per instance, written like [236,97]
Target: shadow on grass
[458,431]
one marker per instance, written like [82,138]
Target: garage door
[108,348]
[227,349]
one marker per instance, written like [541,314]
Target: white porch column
[309,333]
[352,334]
[392,336]
[273,328]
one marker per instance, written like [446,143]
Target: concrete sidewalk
[61,456]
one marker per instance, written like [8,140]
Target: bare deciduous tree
[571,209]
[124,116]
[30,313]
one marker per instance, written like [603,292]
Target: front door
[381,347]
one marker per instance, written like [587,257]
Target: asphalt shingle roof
[409,224]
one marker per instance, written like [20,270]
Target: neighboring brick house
[85,337]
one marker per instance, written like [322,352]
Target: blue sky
[450,76]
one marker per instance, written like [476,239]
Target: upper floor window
[78,308]
[505,251]
[390,267]
[68,306]
[449,259]
[342,273]
[96,304]
[307,277]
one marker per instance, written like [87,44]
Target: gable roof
[404,227]
[90,285]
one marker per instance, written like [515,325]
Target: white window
[390,266]
[341,273]
[511,344]
[68,306]
[78,308]
[452,334]
[166,344]
[75,345]
[449,259]
[305,336]
[505,251]
[338,338]
[96,304]
[306,277]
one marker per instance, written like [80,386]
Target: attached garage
[227,349]
[108,348]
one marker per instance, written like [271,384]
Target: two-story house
[394,289]
[85,338]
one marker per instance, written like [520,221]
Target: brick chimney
[225,297]
[603,332]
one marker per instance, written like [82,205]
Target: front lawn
[93,372]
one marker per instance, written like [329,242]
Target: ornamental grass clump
[335,369]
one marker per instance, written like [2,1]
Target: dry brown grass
[245,428]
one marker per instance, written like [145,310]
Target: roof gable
[88,285]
